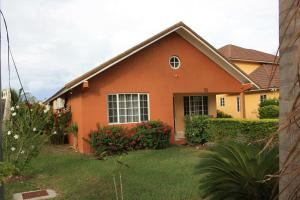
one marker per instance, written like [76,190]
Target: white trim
[118,117]
[221,57]
[151,42]
[256,61]
[238,104]
[179,62]
[137,50]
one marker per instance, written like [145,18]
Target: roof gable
[184,31]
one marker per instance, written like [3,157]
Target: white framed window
[174,62]
[195,105]
[238,104]
[128,108]
[222,101]
[263,97]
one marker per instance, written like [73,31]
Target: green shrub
[61,126]
[196,129]
[269,102]
[111,140]
[221,114]
[269,112]
[231,170]
[238,129]
[6,169]
[25,133]
[219,129]
[152,135]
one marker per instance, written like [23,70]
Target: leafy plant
[109,140]
[269,112]
[234,170]
[269,109]
[73,129]
[26,131]
[61,124]
[238,129]
[221,114]
[196,129]
[6,169]
[115,140]
[152,135]
[269,102]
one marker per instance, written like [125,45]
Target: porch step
[180,141]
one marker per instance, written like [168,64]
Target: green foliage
[25,132]
[237,171]
[152,175]
[109,140]
[15,97]
[152,135]
[73,129]
[221,114]
[245,130]
[196,129]
[269,112]
[219,129]
[269,109]
[61,124]
[269,102]
[6,169]
[116,140]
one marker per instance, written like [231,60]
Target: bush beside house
[221,114]
[199,129]
[269,109]
[111,140]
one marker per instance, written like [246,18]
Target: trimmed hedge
[215,129]
[245,130]
[196,129]
[221,114]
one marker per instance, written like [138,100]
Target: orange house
[170,75]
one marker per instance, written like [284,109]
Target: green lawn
[153,174]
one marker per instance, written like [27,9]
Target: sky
[54,41]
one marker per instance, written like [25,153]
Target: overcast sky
[54,41]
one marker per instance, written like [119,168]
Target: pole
[1,116]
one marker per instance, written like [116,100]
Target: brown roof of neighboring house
[233,52]
[262,76]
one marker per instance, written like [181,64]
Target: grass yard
[162,174]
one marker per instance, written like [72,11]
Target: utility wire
[13,60]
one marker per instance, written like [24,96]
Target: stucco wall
[252,101]
[149,72]
[247,67]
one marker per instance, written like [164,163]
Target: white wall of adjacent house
[6,99]
[59,103]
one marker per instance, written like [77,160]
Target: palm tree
[237,171]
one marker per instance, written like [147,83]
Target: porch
[185,104]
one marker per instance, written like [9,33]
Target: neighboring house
[170,75]
[260,67]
